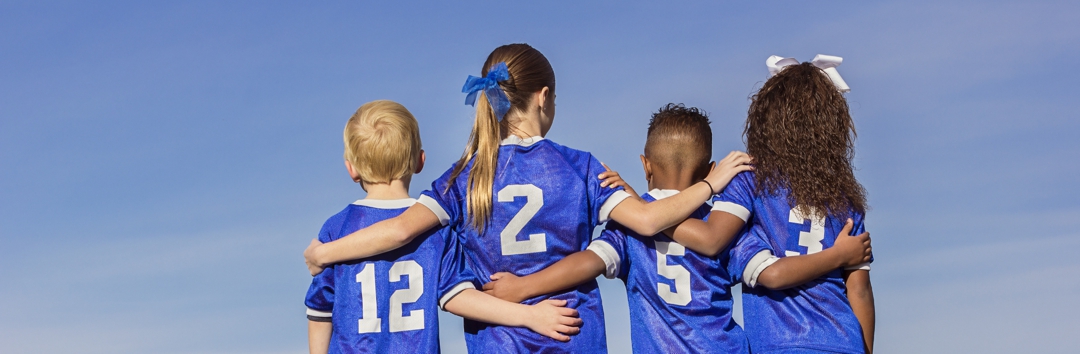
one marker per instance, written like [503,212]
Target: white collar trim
[662,193]
[386,203]
[516,140]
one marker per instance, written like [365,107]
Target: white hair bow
[826,63]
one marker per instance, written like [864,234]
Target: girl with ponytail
[519,202]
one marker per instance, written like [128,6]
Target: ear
[648,168]
[420,162]
[541,98]
[352,172]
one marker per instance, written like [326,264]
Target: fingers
[488,286]
[498,275]
[571,330]
[568,312]
[556,302]
[846,231]
[571,320]
[605,166]
[558,336]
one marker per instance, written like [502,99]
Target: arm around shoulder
[379,238]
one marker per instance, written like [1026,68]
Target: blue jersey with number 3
[812,317]
[546,200]
[387,303]
[680,301]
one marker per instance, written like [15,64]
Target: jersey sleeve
[602,200]
[611,248]
[454,275]
[748,258]
[737,198]
[320,295]
[445,202]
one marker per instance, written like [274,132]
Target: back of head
[529,72]
[382,142]
[680,139]
[801,137]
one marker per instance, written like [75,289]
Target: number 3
[812,239]
[534,199]
[370,321]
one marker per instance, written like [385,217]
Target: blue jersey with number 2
[812,317]
[546,201]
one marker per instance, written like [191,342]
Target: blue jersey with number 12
[680,301]
[387,303]
[812,317]
[546,201]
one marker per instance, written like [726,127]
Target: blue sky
[164,164]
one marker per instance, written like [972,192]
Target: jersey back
[814,316]
[546,201]
[680,301]
[387,303]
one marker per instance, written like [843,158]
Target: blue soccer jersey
[387,303]
[812,317]
[546,201]
[680,301]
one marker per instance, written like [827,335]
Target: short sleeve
[454,275]
[738,197]
[602,200]
[748,257]
[445,202]
[320,295]
[611,248]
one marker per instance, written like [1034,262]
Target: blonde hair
[382,142]
[529,72]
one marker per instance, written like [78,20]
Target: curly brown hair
[801,136]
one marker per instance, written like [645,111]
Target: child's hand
[722,172]
[507,286]
[613,180]
[309,257]
[550,318]
[853,250]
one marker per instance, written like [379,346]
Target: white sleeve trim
[862,266]
[316,313]
[457,289]
[610,257]
[757,264]
[434,206]
[610,203]
[733,209]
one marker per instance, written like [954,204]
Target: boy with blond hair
[387,303]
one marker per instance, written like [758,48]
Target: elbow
[771,279]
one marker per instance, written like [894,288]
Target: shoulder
[333,225]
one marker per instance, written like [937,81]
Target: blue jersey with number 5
[680,301]
[546,201]
[814,316]
[387,303]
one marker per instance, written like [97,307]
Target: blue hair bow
[490,85]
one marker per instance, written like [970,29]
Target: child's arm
[568,272]
[707,237]
[861,296]
[379,238]
[648,219]
[549,317]
[791,271]
[318,333]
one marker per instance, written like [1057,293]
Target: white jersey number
[370,321]
[534,199]
[809,239]
[681,294]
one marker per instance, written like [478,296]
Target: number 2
[534,199]
[809,239]
[369,321]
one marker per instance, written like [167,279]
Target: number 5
[681,294]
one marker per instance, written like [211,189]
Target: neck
[396,189]
[677,180]
[524,125]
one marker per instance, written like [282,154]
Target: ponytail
[529,72]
